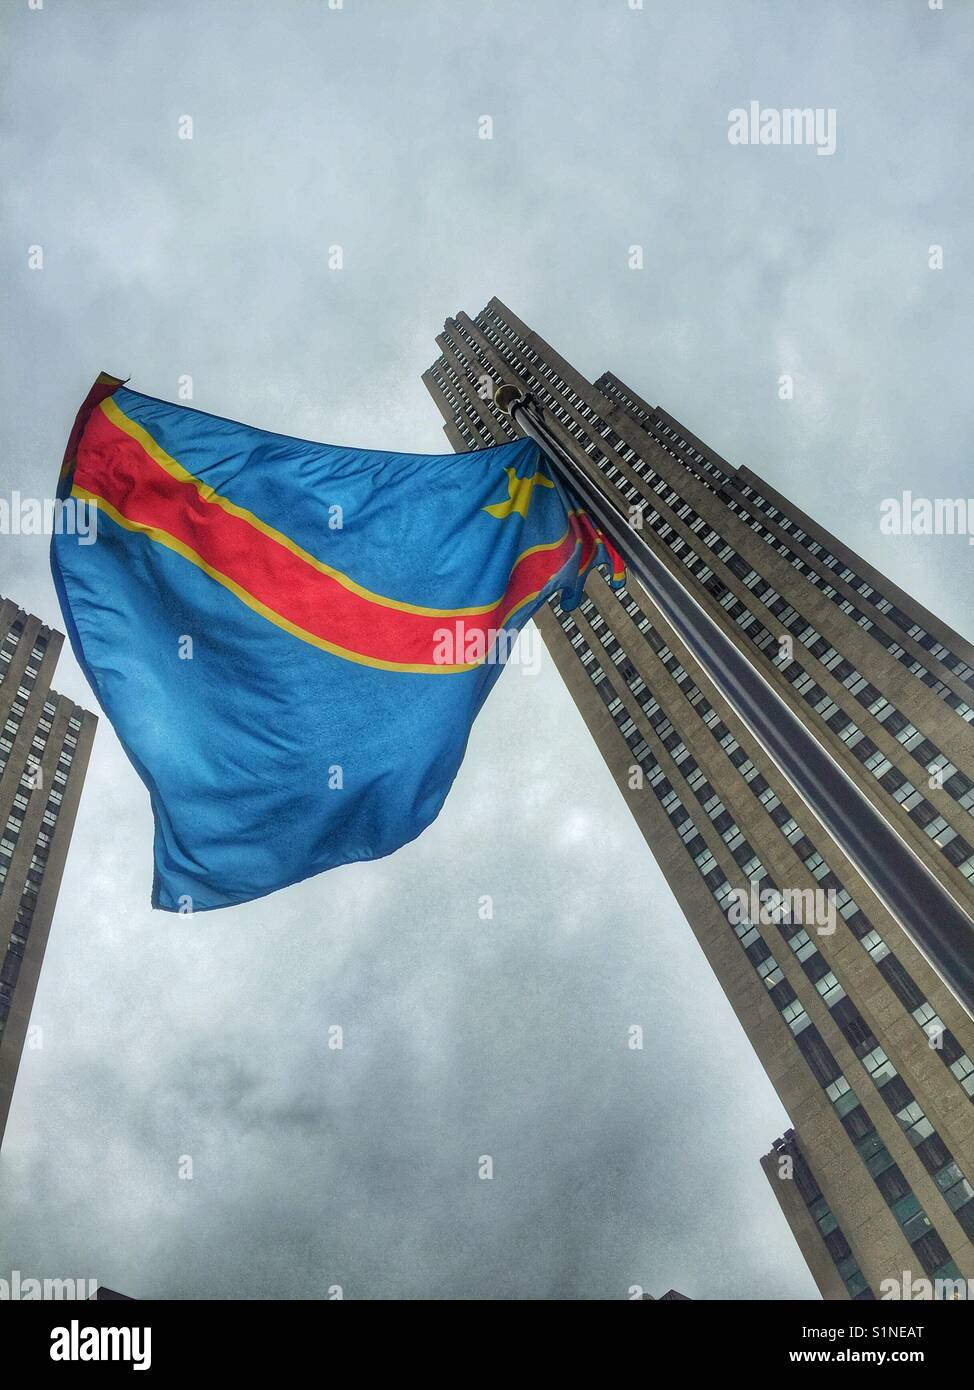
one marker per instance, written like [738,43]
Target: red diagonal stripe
[114,466]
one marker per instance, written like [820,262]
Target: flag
[292,639]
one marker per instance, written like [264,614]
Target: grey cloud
[462,1038]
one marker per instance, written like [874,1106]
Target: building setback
[870,1053]
[45,743]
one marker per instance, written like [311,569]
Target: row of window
[952,1182]
[863,621]
[18,704]
[890,1180]
[465,413]
[10,644]
[956,849]
[895,973]
[468,423]
[686,453]
[922,749]
[824,1218]
[919,634]
[30,784]
[679,448]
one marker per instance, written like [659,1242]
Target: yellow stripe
[155,533]
[142,437]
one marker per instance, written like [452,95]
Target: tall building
[869,1051]
[45,743]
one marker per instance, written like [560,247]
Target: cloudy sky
[313,126]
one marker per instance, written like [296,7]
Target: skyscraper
[44,748]
[871,1054]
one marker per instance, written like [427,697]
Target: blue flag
[293,639]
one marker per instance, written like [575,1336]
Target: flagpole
[926,910]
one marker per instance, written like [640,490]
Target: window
[830,989]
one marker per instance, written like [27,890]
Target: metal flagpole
[932,918]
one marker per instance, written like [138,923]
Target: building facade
[870,1053]
[45,743]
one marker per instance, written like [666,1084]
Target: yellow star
[519,494]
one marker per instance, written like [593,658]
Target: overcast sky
[358,126]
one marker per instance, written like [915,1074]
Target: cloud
[462,1038]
